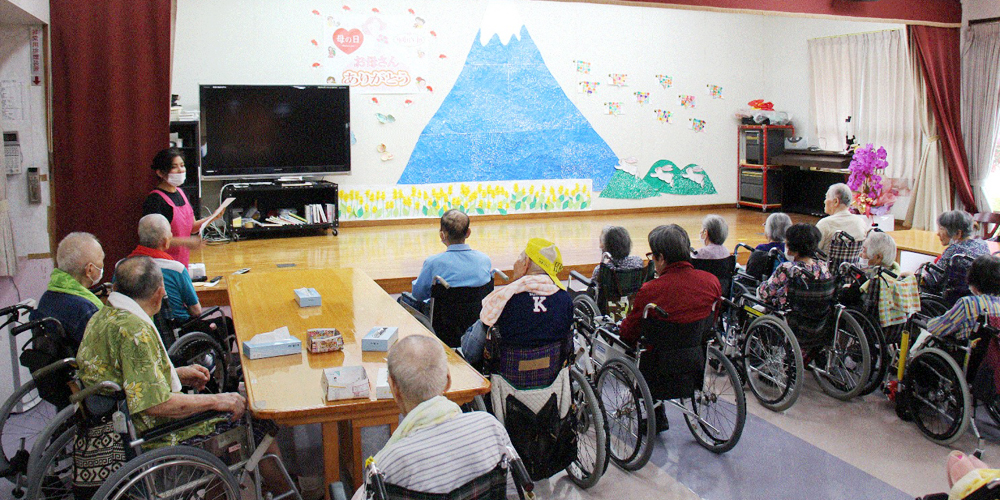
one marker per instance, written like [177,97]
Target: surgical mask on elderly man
[176,180]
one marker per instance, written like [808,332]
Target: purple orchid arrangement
[867,167]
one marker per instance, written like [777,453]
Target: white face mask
[100,274]
[176,180]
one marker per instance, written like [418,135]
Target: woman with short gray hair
[955,232]
[774,230]
[616,242]
[714,232]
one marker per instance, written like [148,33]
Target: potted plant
[873,194]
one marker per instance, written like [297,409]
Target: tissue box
[307,297]
[196,270]
[382,390]
[379,338]
[270,344]
[345,382]
[324,340]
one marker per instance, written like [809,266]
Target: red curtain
[110,114]
[939,55]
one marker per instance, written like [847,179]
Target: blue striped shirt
[961,320]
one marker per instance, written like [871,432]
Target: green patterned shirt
[120,347]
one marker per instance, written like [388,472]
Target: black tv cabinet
[269,197]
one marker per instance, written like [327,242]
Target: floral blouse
[774,289]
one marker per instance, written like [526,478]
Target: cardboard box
[379,338]
[307,297]
[345,382]
[322,340]
[382,390]
[269,344]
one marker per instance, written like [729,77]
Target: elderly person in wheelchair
[533,310]
[685,294]
[436,449]
[962,318]
[801,247]
[121,345]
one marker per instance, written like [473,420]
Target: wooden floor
[393,254]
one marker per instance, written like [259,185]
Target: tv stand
[263,199]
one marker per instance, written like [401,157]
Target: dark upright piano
[807,175]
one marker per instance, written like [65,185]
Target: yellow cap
[546,255]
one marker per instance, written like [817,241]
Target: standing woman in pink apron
[169,200]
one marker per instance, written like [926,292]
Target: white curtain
[868,77]
[931,195]
[981,104]
[8,257]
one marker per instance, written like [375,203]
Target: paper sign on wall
[36,56]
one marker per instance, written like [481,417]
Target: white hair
[716,228]
[775,226]
[75,251]
[841,192]
[153,229]
[881,244]
[419,367]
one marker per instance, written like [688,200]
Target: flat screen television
[275,130]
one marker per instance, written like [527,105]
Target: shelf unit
[268,197]
[187,132]
[765,175]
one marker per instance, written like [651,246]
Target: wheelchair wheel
[179,472]
[50,469]
[843,368]
[772,363]
[201,349]
[932,305]
[877,348]
[939,397]
[628,410]
[586,308]
[591,433]
[720,406]
[17,427]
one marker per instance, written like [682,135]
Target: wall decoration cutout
[698,125]
[663,115]
[507,118]
[378,51]
[715,91]
[665,80]
[641,97]
[686,101]
[667,178]
[385,119]
[587,87]
[618,79]
[625,186]
[582,67]
[474,198]
[629,166]
[615,108]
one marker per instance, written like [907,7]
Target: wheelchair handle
[442,281]
[882,270]
[581,278]
[847,267]
[742,245]
[501,274]
[54,367]
[102,290]
[16,308]
[521,477]
[606,257]
[651,306]
[843,235]
[106,386]
[19,329]
[919,321]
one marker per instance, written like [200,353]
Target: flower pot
[883,222]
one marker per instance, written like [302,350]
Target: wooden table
[924,242]
[287,389]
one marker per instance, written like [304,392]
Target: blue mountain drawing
[507,118]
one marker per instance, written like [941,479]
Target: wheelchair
[552,415]
[770,344]
[943,283]
[215,349]
[490,486]
[220,466]
[674,364]
[942,386]
[451,310]
[610,294]
[843,248]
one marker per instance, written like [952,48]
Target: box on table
[324,340]
[379,338]
[269,344]
[307,297]
[345,382]
[382,390]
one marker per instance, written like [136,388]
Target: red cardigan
[685,293]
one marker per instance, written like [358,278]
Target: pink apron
[180,226]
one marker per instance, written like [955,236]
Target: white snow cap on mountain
[502,18]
